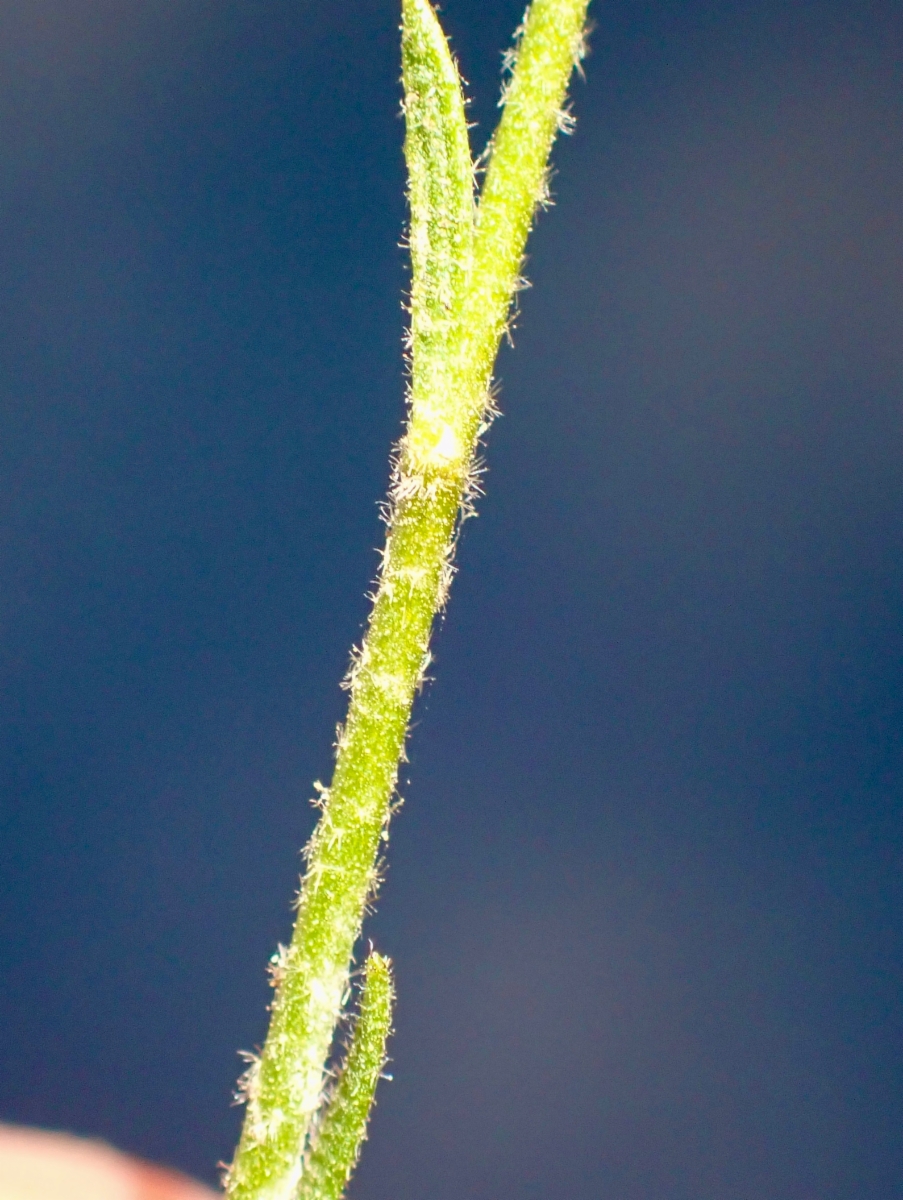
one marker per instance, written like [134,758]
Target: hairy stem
[465,266]
[342,1128]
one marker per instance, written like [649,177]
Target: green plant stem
[342,1128]
[465,271]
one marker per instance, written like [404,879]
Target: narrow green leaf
[547,48]
[440,173]
[340,1133]
[440,235]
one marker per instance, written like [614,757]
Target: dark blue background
[645,897]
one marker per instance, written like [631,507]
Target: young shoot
[303,1130]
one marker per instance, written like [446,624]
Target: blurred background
[644,896]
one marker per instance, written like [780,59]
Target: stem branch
[466,261]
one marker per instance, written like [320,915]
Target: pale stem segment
[465,269]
